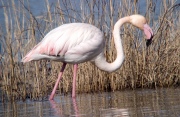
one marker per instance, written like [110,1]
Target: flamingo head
[140,22]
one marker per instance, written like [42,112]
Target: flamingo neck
[100,60]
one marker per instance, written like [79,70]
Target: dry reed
[156,66]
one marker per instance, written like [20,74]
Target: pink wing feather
[73,43]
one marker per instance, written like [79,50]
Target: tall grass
[155,66]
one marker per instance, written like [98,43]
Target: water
[128,103]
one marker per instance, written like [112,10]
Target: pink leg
[57,82]
[75,107]
[74,80]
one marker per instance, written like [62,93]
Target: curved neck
[100,60]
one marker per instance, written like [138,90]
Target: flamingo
[76,43]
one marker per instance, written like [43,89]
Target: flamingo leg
[74,80]
[57,82]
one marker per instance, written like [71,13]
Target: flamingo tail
[31,55]
[28,57]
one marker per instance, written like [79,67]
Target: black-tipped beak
[149,34]
[149,41]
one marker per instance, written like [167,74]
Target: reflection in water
[131,103]
[114,112]
[58,110]
[109,112]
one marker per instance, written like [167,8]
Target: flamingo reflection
[59,110]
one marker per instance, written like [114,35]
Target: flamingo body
[69,43]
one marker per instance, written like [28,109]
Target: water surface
[128,103]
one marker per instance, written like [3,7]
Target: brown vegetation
[155,66]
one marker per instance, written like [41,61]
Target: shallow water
[128,103]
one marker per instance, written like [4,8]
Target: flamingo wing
[72,43]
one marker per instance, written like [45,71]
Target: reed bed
[144,67]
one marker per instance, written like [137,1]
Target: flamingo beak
[148,42]
[149,34]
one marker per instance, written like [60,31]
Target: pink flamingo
[76,43]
